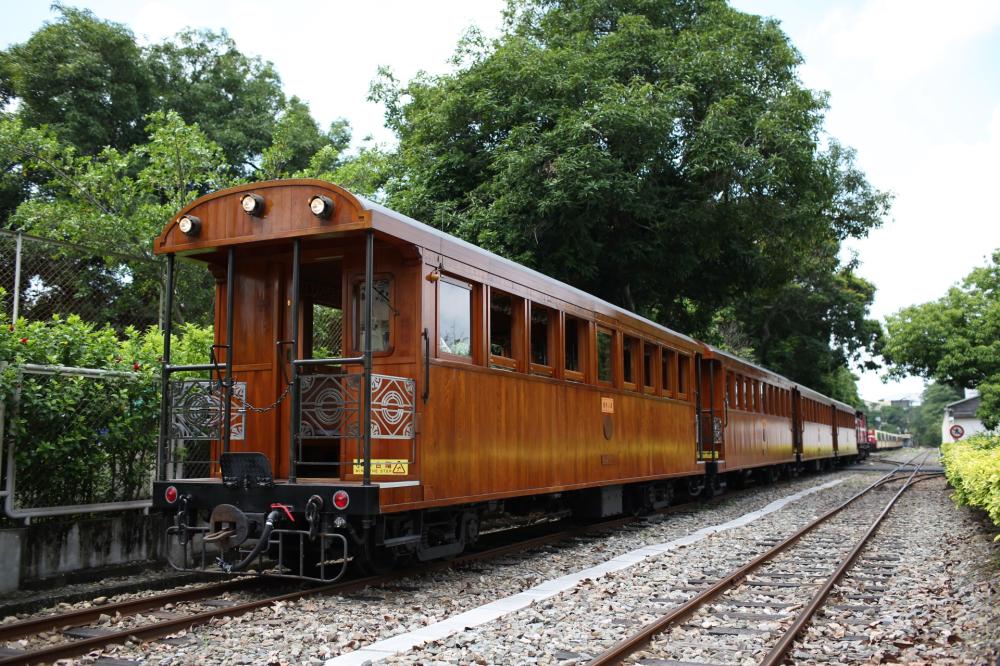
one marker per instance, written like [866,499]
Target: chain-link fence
[43,277]
[81,440]
[78,440]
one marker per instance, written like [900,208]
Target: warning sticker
[383,467]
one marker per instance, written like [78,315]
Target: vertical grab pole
[228,425]
[698,422]
[293,419]
[369,293]
[168,308]
[711,409]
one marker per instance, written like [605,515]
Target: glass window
[667,369]
[455,318]
[648,378]
[381,315]
[630,352]
[541,318]
[327,331]
[683,368]
[501,324]
[604,365]
[573,340]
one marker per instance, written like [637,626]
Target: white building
[960,420]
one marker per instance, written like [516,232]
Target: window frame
[612,356]
[683,376]
[551,338]
[355,326]
[516,362]
[462,283]
[668,359]
[650,383]
[582,348]
[634,345]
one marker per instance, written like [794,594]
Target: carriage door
[322,336]
[711,410]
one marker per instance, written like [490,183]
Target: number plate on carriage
[383,467]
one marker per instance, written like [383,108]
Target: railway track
[762,606]
[173,620]
[184,609]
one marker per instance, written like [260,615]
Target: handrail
[427,365]
[169,369]
[328,361]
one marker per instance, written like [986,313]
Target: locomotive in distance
[379,389]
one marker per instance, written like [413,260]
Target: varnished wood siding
[286,214]
[490,434]
[817,441]
[754,439]
[847,441]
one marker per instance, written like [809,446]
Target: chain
[262,410]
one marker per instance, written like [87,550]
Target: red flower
[24,341]
[136,367]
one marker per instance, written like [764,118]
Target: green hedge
[79,439]
[973,468]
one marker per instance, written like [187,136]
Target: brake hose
[272,518]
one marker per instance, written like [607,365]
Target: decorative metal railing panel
[197,410]
[393,407]
[330,406]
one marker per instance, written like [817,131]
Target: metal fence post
[17,278]
[3,433]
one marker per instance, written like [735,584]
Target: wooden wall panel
[847,441]
[490,433]
[754,439]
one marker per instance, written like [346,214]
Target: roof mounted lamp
[321,207]
[189,225]
[252,204]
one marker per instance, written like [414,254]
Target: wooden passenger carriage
[488,382]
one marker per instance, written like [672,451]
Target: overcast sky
[914,87]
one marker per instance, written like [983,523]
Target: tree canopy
[84,78]
[955,339]
[663,155]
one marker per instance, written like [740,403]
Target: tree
[930,414]
[662,155]
[235,99]
[118,201]
[83,77]
[954,340]
[297,139]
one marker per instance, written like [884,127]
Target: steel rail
[76,618]
[621,650]
[164,628]
[80,617]
[167,627]
[777,653]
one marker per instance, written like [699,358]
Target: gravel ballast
[938,603]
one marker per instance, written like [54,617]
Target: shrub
[84,439]
[973,469]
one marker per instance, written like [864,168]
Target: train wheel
[695,486]
[372,560]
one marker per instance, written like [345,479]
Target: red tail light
[170,494]
[341,499]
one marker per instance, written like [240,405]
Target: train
[880,440]
[378,391]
